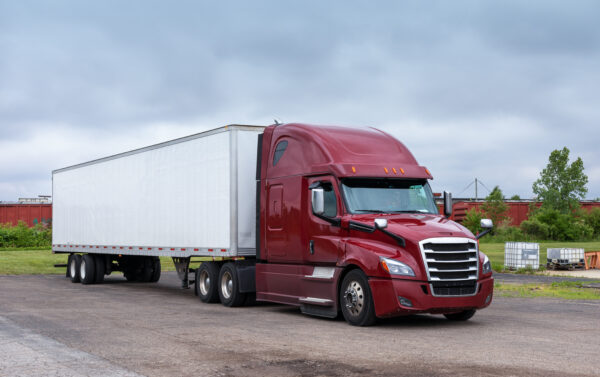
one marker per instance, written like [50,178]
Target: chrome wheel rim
[204,283]
[227,285]
[354,298]
[82,270]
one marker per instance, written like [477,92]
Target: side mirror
[447,204]
[380,223]
[318,201]
[486,224]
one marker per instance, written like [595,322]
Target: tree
[515,197]
[561,185]
[494,206]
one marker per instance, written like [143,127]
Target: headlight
[487,266]
[396,268]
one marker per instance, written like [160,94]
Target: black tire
[100,268]
[68,273]
[144,267]
[228,287]
[155,270]
[74,268]
[356,300]
[460,316]
[207,282]
[87,269]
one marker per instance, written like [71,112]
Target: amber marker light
[353,169]
[394,170]
[401,170]
[427,171]
[386,170]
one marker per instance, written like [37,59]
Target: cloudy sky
[473,88]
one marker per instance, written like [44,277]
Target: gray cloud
[473,88]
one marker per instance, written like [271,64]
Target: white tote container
[522,255]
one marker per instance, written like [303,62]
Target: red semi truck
[329,219]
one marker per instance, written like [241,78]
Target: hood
[415,227]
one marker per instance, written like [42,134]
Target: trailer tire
[68,273]
[87,269]
[207,282]
[229,288]
[74,268]
[356,299]
[144,267]
[155,270]
[100,268]
[460,316]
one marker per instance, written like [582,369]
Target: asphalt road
[49,326]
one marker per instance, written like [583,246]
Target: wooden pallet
[594,260]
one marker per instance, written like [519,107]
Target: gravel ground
[525,279]
[49,326]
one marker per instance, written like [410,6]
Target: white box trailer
[194,196]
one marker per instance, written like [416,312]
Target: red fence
[31,214]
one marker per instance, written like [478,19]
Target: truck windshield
[388,196]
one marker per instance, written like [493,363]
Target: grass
[41,261]
[568,290]
[495,251]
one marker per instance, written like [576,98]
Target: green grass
[35,262]
[495,251]
[567,290]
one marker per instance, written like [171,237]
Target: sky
[475,89]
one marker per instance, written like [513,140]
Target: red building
[31,214]
[518,210]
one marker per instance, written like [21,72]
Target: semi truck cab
[347,221]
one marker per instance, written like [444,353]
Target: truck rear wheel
[460,316]
[74,263]
[207,276]
[356,299]
[144,269]
[229,288]
[87,269]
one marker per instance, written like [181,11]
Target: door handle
[312,247]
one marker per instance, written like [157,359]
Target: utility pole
[475,189]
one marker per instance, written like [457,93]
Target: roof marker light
[401,170]
[353,169]
[394,170]
[386,170]
[427,171]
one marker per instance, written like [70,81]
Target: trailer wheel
[206,285]
[229,289]
[68,273]
[100,268]
[460,316]
[356,299]
[87,269]
[155,270]
[144,267]
[74,268]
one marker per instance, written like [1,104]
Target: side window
[279,149]
[330,201]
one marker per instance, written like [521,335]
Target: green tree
[472,220]
[515,197]
[561,185]
[494,206]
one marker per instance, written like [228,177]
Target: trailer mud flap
[246,274]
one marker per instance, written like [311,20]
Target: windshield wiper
[371,210]
[410,211]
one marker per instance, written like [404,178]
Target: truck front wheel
[229,288]
[460,316]
[207,277]
[356,299]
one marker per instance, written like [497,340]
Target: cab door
[323,231]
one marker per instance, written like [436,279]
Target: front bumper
[386,293]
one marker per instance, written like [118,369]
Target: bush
[23,236]
[592,219]
[472,221]
[504,233]
[548,223]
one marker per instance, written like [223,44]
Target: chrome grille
[452,265]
